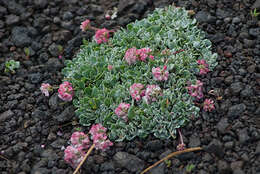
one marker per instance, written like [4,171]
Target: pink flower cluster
[160,75]
[74,154]
[85,25]
[208,105]
[66,91]
[132,55]
[109,67]
[122,111]
[45,89]
[99,137]
[80,139]
[102,35]
[80,142]
[196,90]
[152,92]
[203,66]
[137,91]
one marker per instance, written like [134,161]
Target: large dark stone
[20,37]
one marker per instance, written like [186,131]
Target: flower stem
[181,139]
[170,156]
[84,159]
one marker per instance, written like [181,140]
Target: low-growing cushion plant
[102,75]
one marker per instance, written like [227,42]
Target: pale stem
[84,159]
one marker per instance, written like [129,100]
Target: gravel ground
[34,129]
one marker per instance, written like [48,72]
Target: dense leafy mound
[99,91]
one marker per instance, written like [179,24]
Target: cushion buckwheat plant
[131,85]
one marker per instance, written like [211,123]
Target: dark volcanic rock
[236,110]
[20,37]
[12,19]
[203,16]
[66,115]
[235,88]
[128,161]
[222,125]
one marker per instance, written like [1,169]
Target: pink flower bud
[109,67]
[203,66]
[46,88]
[136,91]
[160,75]
[102,35]
[152,92]
[85,25]
[122,110]
[208,105]
[66,91]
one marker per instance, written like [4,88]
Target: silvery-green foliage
[99,91]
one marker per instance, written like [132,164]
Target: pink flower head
[107,16]
[66,91]
[122,110]
[143,53]
[101,142]
[196,90]
[152,92]
[97,129]
[109,67]
[203,66]
[102,35]
[130,56]
[80,139]
[136,91]
[73,156]
[85,25]
[160,75]
[208,105]
[46,88]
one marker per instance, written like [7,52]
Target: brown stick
[170,156]
[1,156]
[84,159]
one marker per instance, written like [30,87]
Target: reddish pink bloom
[107,16]
[97,129]
[46,88]
[160,75]
[60,57]
[73,156]
[85,25]
[133,54]
[196,90]
[208,105]
[143,53]
[130,56]
[136,91]
[203,66]
[152,92]
[102,35]
[101,142]
[122,110]
[80,139]
[109,67]
[66,91]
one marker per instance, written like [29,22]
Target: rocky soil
[35,129]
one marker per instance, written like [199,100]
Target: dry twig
[84,159]
[170,156]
